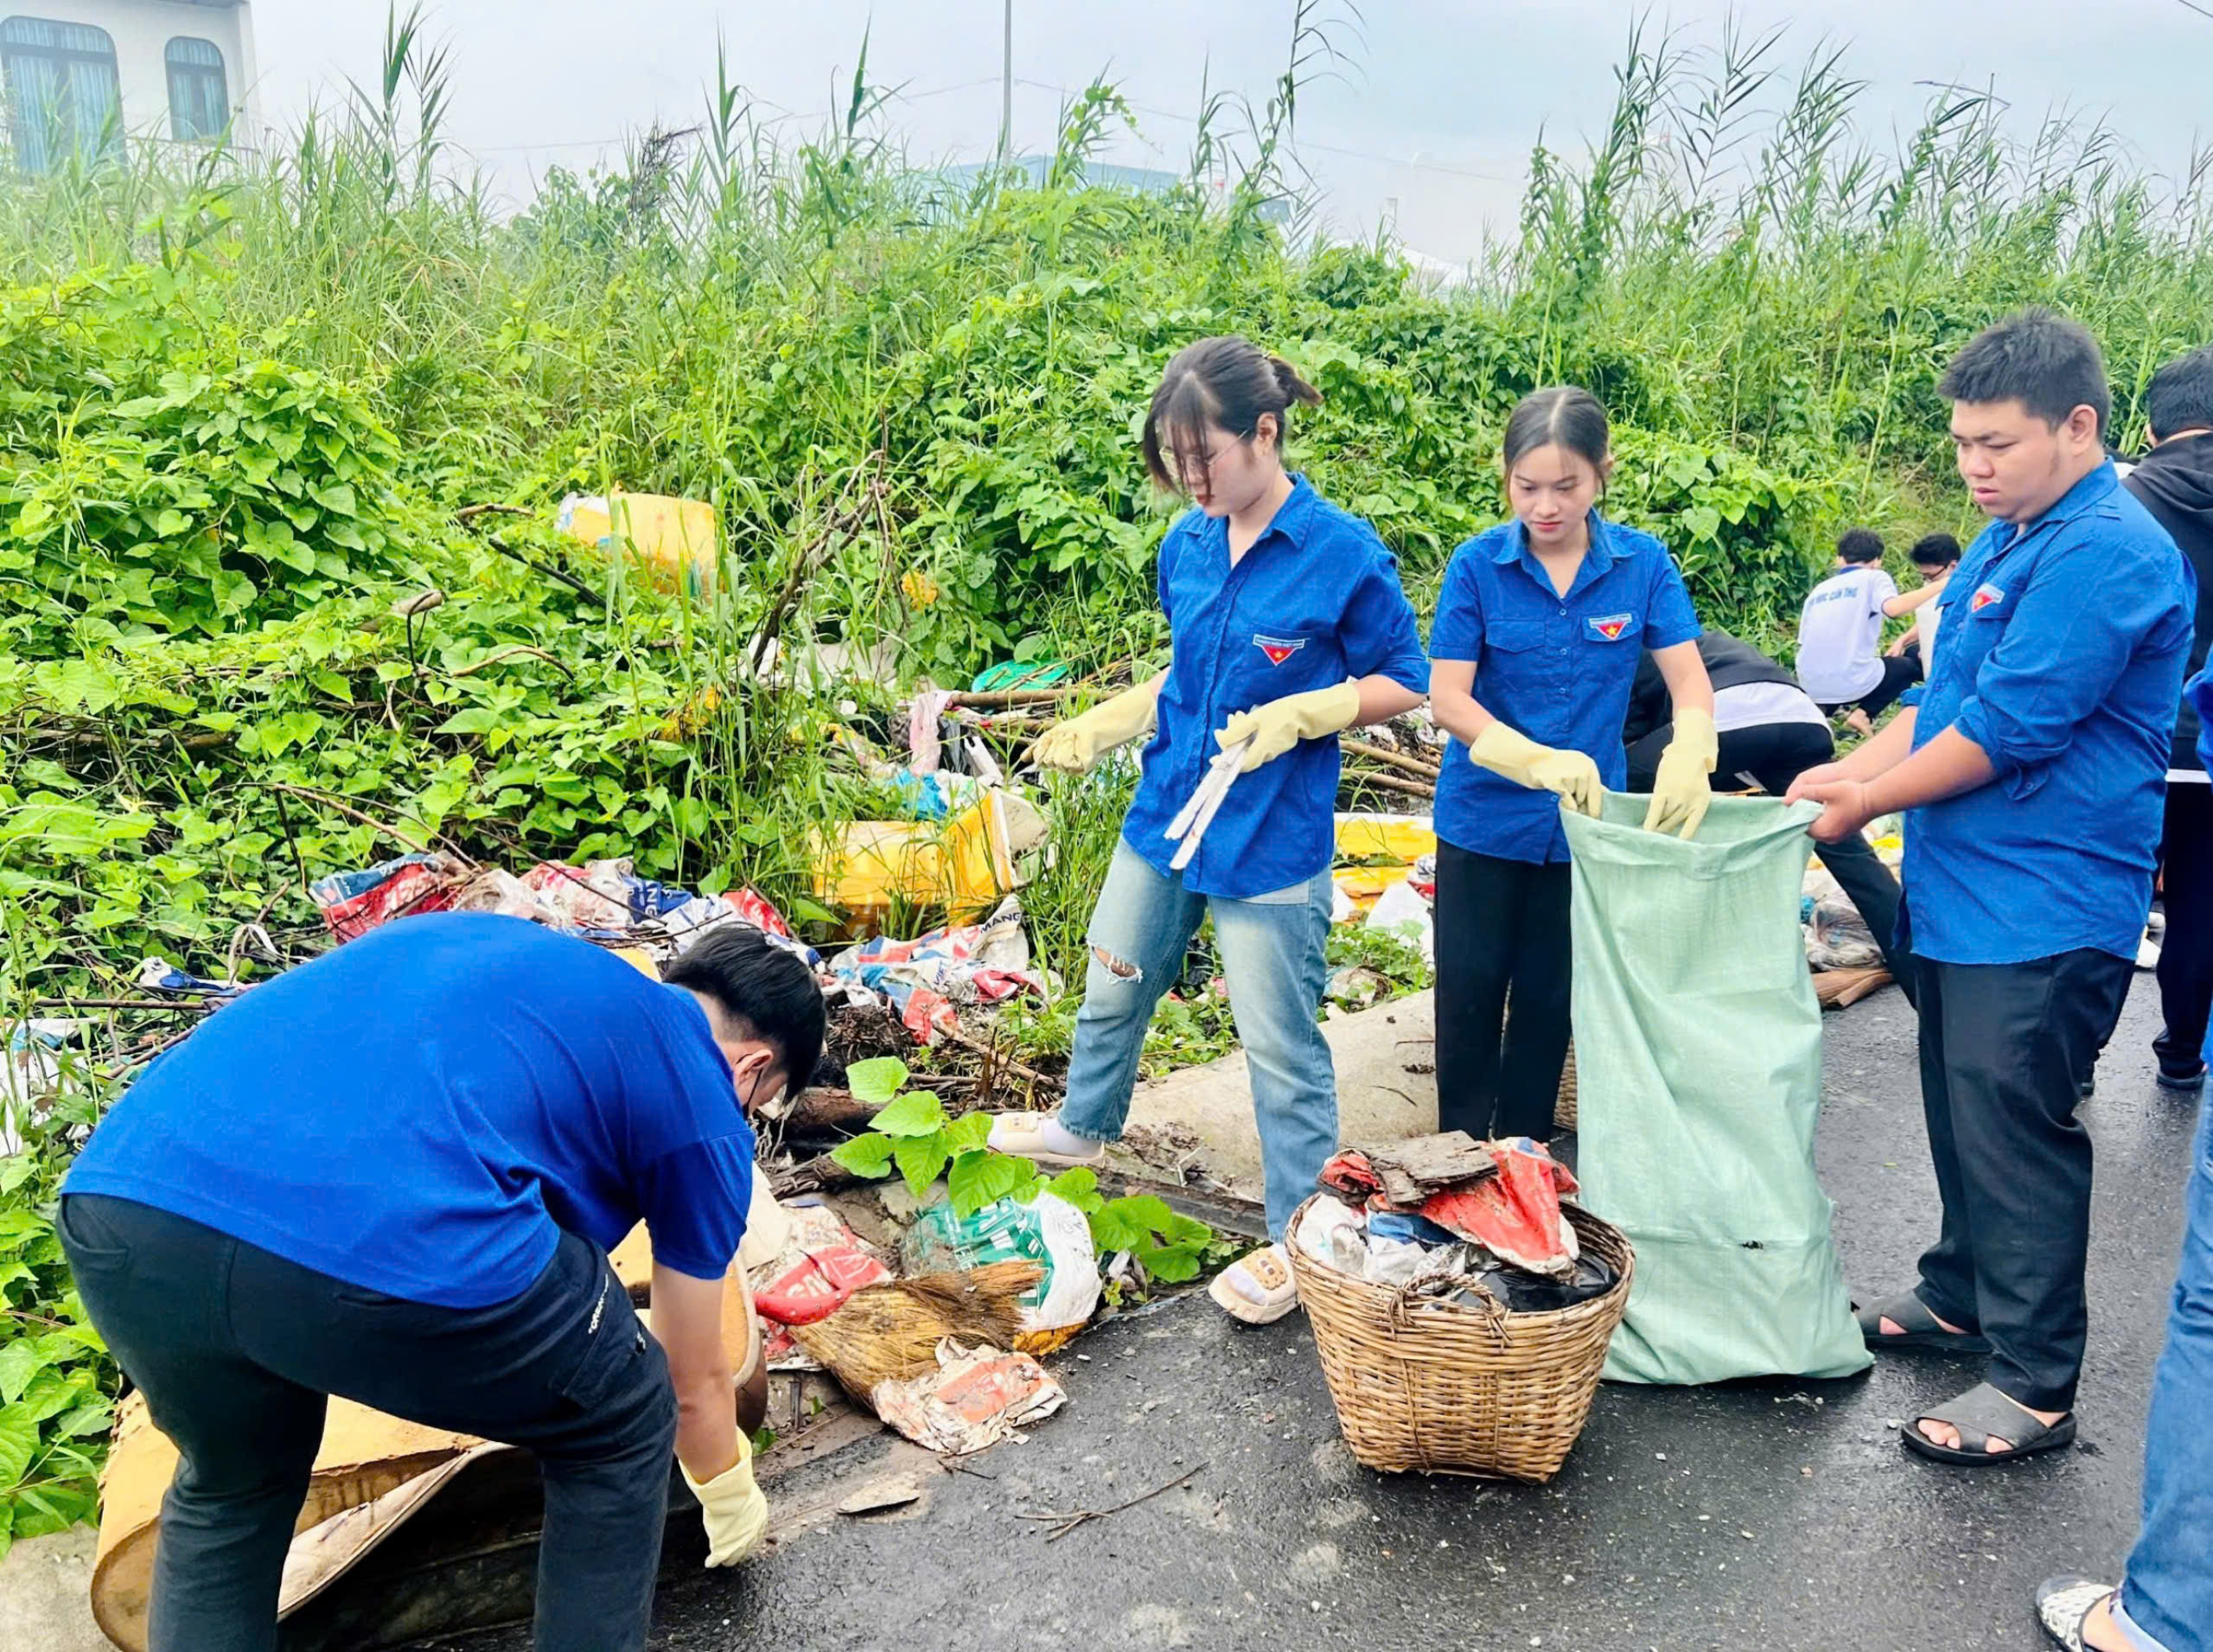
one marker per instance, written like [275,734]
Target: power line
[2195,7]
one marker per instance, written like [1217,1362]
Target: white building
[83,75]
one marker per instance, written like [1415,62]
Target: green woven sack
[1698,1054]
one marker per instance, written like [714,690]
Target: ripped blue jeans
[1273,959]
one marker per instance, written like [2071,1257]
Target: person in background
[2174,481]
[1286,625]
[1770,733]
[393,1175]
[2032,772]
[1537,633]
[2164,1600]
[1934,555]
[1839,627]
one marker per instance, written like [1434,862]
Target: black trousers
[1898,675]
[237,1351]
[1501,929]
[2186,951]
[2002,1046]
[1772,755]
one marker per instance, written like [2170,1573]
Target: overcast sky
[1433,122]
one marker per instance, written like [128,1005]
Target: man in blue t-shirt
[392,1175]
[2031,774]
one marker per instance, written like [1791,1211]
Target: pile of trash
[1837,937]
[1450,1218]
[603,901]
[925,981]
[939,1340]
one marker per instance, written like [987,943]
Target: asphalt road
[1771,1515]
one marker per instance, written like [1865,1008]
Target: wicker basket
[1563,1103]
[1444,1388]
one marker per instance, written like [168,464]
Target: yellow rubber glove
[733,1509]
[1280,724]
[1521,760]
[1078,743]
[1680,790]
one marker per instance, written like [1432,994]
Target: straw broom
[891,1332]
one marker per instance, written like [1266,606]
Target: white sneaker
[1257,1288]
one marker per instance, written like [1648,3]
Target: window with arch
[200,102]
[63,96]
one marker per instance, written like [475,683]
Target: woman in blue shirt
[1544,617]
[1287,625]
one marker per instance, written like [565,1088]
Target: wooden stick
[202,1008]
[1068,1522]
[1386,783]
[1008,699]
[991,1052]
[347,809]
[1394,759]
[826,1112]
[534,565]
[509,652]
[821,1174]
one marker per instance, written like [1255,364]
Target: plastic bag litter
[1837,937]
[1402,910]
[1515,1213]
[928,979]
[1521,1292]
[977,1397]
[352,904]
[821,1263]
[1048,1231]
[1334,1234]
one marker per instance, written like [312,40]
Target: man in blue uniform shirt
[392,1175]
[2031,771]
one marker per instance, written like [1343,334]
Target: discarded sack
[1048,1231]
[675,540]
[961,865]
[820,1267]
[977,1397]
[352,904]
[1698,1042]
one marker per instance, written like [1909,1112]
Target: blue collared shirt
[1315,601]
[540,1084]
[1555,668]
[2061,657]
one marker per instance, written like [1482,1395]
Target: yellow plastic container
[1403,837]
[1364,886]
[965,865]
[676,541]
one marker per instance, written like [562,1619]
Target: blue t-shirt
[2063,658]
[1315,601]
[421,1110]
[1555,668]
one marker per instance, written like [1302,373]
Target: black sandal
[1982,1414]
[1919,1328]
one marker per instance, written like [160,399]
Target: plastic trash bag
[1698,1050]
[1047,1230]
